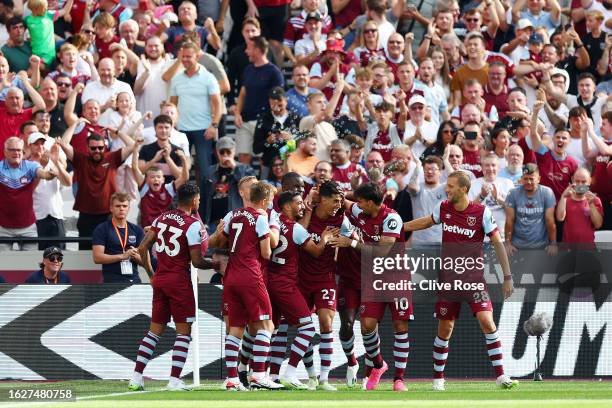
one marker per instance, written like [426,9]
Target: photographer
[273,129]
[580,210]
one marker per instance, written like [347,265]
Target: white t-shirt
[429,131]
[574,149]
[572,101]
[101,93]
[503,186]
[423,204]
[155,90]
[562,111]
[47,197]
[306,46]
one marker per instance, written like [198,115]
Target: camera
[471,135]
[581,189]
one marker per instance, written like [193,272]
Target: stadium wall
[92,331]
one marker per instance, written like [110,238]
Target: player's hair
[187,192]
[289,179]
[462,179]
[434,160]
[119,196]
[369,191]
[162,119]
[105,20]
[246,179]
[260,191]
[286,197]
[329,188]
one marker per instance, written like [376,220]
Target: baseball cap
[417,99]
[36,136]
[226,142]
[530,168]
[52,250]
[536,38]
[277,93]
[333,44]
[313,16]
[523,23]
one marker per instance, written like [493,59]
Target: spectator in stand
[221,183]
[347,124]
[18,179]
[277,171]
[43,121]
[82,128]
[406,82]
[118,11]
[12,114]
[446,135]
[324,75]
[155,194]
[54,109]
[297,96]
[48,202]
[574,149]
[115,243]
[176,138]
[162,153]
[104,25]
[50,272]
[555,165]
[425,196]
[491,190]
[595,39]
[357,149]
[580,210]
[514,170]
[572,64]
[473,93]
[369,48]
[342,167]
[128,32]
[397,52]
[126,64]
[187,14]
[297,27]
[319,117]
[439,108]
[495,91]
[148,88]
[196,94]
[95,172]
[273,129]
[555,114]
[257,80]
[105,90]
[17,50]
[304,159]
[309,48]
[419,133]
[535,13]
[500,140]
[383,135]
[602,170]
[68,65]
[530,214]
[476,67]
[471,145]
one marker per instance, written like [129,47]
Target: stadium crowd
[126,101]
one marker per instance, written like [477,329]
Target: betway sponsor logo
[458,230]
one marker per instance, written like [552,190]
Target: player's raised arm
[143,250]
[316,250]
[500,250]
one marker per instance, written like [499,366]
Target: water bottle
[289,147]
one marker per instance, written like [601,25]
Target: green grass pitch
[553,394]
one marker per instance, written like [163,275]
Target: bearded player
[282,274]
[464,225]
[178,242]
[379,226]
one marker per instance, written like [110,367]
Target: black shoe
[243,377]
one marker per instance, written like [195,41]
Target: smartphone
[581,189]
[471,135]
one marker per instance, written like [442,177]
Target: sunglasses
[96,148]
[56,258]
[64,84]
[370,30]
[472,20]
[447,131]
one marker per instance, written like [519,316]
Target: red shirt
[244,229]
[499,101]
[343,174]
[283,266]
[81,133]
[154,203]
[103,47]
[10,125]
[578,226]
[602,177]
[471,162]
[349,13]
[16,188]
[556,174]
[96,181]
[177,233]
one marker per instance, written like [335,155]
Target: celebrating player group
[292,253]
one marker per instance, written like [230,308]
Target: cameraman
[273,129]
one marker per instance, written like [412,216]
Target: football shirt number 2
[162,246]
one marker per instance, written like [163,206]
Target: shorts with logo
[246,304]
[479,301]
[399,310]
[349,297]
[172,298]
[320,295]
[288,302]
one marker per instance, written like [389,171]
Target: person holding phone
[580,210]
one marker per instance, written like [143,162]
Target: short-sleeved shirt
[464,73]
[556,173]
[96,181]
[467,226]
[39,277]
[154,203]
[298,103]
[42,36]
[578,226]
[602,175]
[10,125]
[529,223]
[176,34]
[16,188]
[244,229]
[258,81]
[194,98]
[148,152]
[106,235]
[423,203]
[503,186]
[283,265]
[343,173]
[18,57]
[544,19]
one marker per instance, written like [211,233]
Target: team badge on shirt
[471,221]
[443,311]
